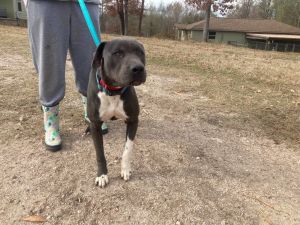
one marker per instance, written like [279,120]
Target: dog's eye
[142,53]
[118,53]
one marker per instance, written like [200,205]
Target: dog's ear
[98,55]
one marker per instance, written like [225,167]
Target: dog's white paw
[102,181]
[126,173]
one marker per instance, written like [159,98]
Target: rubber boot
[104,127]
[53,140]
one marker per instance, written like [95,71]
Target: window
[3,13]
[19,6]
[212,35]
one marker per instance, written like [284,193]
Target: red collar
[107,87]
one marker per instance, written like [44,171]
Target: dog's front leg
[102,178]
[126,157]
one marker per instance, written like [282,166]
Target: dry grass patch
[234,87]
[204,153]
[247,89]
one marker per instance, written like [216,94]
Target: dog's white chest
[111,106]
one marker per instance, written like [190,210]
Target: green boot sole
[54,148]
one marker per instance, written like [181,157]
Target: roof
[243,25]
[181,26]
[273,36]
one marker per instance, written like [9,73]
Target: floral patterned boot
[104,127]
[51,125]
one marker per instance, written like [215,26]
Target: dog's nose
[136,69]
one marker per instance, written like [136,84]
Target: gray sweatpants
[54,28]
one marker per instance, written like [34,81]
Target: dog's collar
[107,89]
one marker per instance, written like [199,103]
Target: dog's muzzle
[138,75]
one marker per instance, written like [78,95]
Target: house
[12,9]
[254,33]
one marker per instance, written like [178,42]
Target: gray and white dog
[118,66]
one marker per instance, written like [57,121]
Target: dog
[117,67]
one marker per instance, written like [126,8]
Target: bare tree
[120,10]
[141,15]
[221,6]
[265,9]
[244,9]
[125,17]
[287,11]
[177,11]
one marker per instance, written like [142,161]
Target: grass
[247,89]
[239,88]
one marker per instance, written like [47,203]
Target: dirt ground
[203,155]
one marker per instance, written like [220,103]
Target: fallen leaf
[35,219]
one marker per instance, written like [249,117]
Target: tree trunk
[141,17]
[268,9]
[125,17]
[207,19]
[102,17]
[120,7]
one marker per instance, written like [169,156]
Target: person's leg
[82,46]
[49,28]
[82,49]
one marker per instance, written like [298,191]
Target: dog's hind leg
[87,131]
[126,157]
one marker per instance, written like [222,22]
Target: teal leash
[89,22]
[95,37]
[91,27]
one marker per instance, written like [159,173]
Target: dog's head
[122,62]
